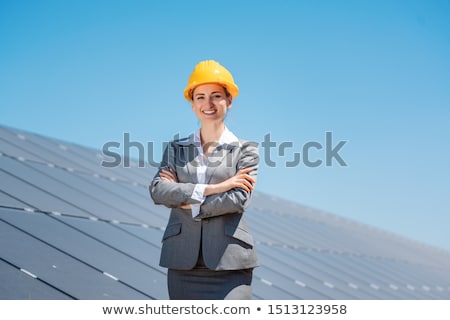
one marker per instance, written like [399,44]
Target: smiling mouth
[209,112]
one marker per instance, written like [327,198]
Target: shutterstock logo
[304,157]
[311,154]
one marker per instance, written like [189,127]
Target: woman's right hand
[169,175]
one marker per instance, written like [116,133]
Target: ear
[230,102]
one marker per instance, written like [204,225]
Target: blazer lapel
[188,155]
[216,159]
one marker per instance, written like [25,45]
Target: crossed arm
[242,180]
[229,196]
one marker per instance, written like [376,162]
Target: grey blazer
[220,226]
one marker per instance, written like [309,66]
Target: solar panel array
[73,229]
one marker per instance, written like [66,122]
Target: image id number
[307,309]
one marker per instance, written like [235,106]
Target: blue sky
[374,73]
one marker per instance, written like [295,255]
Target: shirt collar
[227,138]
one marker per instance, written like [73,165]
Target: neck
[210,133]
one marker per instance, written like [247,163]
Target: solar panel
[66,273]
[72,229]
[17,285]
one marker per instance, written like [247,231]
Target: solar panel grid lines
[60,186]
[70,240]
[370,276]
[123,241]
[348,277]
[293,270]
[53,165]
[7,199]
[34,195]
[42,153]
[401,243]
[304,282]
[41,256]
[69,159]
[274,278]
[298,232]
[13,276]
[322,275]
[124,183]
[263,290]
[124,191]
[384,276]
[378,280]
[11,149]
[365,240]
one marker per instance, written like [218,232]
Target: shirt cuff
[195,209]
[198,193]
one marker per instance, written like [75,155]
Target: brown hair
[227,93]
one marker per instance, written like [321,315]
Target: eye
[199,98]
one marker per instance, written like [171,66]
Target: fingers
[246,170]
[250,178]
[168,175]
[246,177]
[245,182]
[247,186]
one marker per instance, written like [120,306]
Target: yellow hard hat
[210,71]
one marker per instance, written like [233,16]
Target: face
[210,102]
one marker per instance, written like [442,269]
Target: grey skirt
[206,284]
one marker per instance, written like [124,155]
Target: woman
[207,180]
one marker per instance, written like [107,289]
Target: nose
[210,101]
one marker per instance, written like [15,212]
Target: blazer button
[205,220]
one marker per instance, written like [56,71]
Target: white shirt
[227,137]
